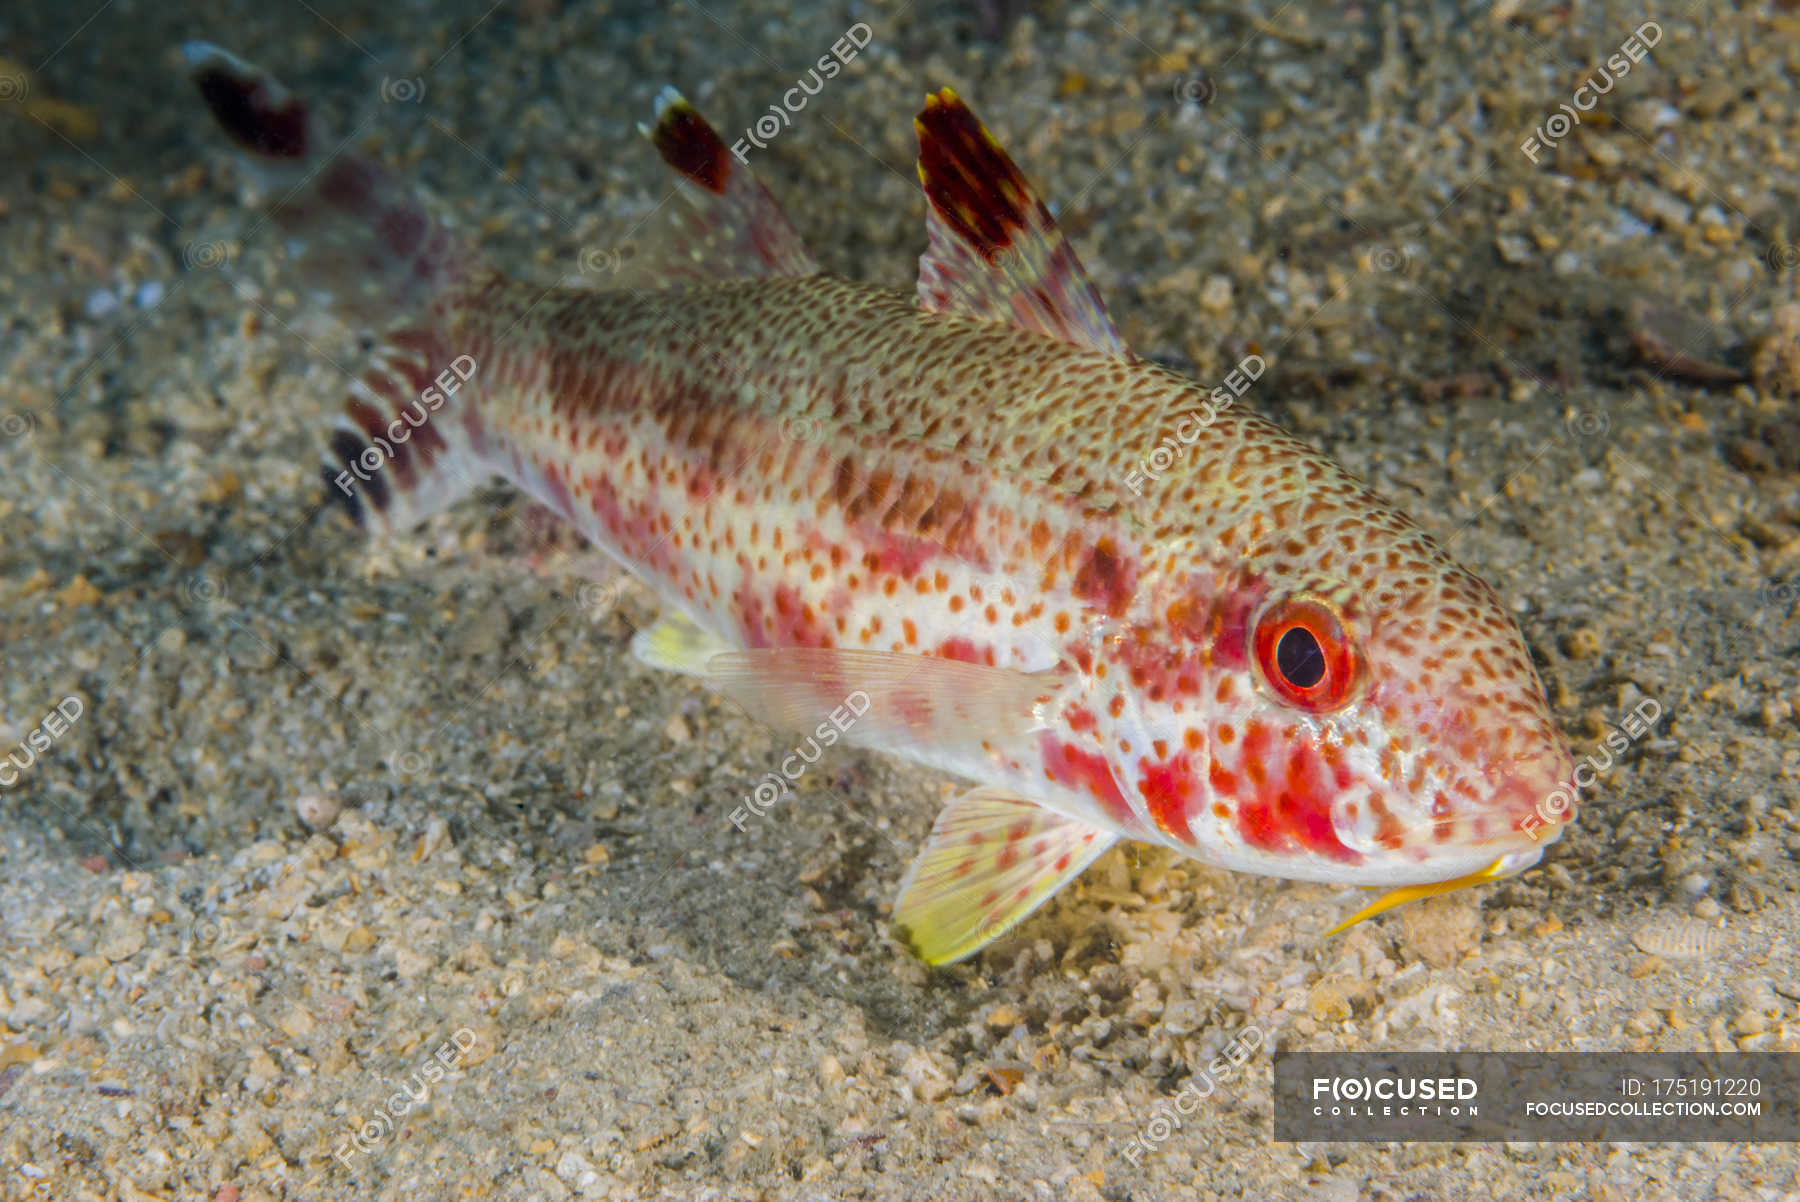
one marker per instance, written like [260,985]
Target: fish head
[1370,716]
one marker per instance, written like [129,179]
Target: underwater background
[286,820]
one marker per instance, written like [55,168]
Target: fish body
[934,503]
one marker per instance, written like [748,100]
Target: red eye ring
[1305,655]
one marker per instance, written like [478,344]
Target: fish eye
[1305,655]
[1299,658]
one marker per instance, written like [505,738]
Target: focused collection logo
[1558,1097]
[1386,1097]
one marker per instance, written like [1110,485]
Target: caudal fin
[402,449]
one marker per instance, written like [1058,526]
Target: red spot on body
[965,650]
[1105,579]
[1217,618]
[749,608]
[1333,755]
[1230,627]
[1168,787]
[1309,793]
[1257,826]
[1160,669]
[795,623]
[1389,831]
[1290,808]
[902,555]
[703,480]
[476,430]
[1086,771]
[1081,719]
[559,492]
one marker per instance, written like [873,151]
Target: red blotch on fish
[1106,579]
[965,650]
[1168,787]
[902,555]
[1084,770]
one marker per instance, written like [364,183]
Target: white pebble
[99,303]
[317,810]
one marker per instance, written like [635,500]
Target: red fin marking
[734,228]
[369,241]
[689,145]
[255,111]
[367,237]
[995,252]
[370,421]
[975,189]
[982,871]
[953,708]
[401,453]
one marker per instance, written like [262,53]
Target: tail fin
[367,239]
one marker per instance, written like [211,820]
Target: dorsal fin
[733,228]
[994,251]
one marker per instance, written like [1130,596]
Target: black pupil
[1301,660]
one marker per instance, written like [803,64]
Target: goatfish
[936,505]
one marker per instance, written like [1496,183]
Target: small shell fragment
[1680,344]
[317,810]
[1678,939]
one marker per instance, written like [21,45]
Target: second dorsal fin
[732,227]
[994,251]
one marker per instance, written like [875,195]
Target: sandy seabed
[328,816]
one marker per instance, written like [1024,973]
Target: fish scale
[839,490]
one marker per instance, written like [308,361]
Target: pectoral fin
[991,860]
[900,701]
